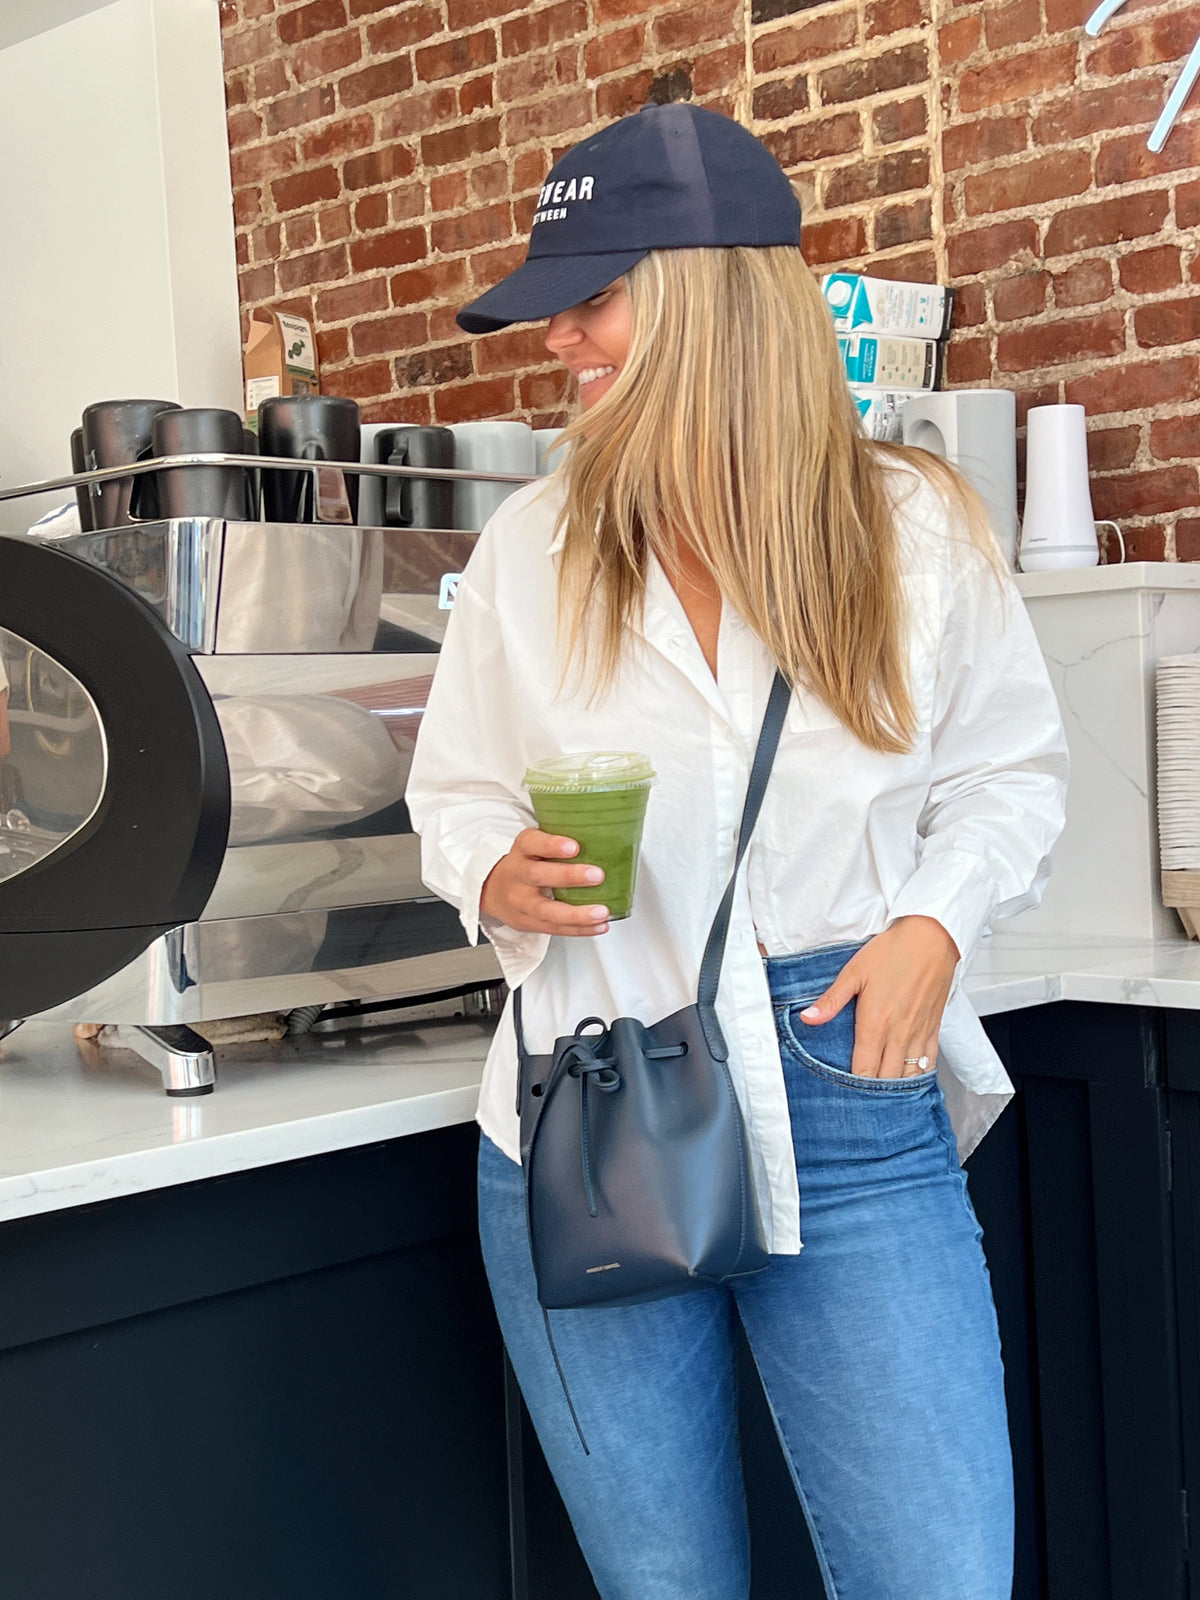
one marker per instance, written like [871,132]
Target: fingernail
[568,847]
[603,928]
[600,913]
[811,1011]
[594,875]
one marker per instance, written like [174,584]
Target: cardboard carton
[885,362]
[880,410]
[281,358]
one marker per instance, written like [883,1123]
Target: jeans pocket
[827,1049]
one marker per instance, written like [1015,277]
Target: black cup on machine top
[117,433]
[253,475]
[82,498]
[417,502]
[310,427]
[201,491]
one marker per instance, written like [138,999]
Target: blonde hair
[730,425]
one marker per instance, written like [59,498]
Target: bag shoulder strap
[519,1031]
[760,771]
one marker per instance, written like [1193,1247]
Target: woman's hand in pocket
[517,891]
[900,981]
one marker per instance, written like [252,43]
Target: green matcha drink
[598,799]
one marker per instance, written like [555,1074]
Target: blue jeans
[877,1348]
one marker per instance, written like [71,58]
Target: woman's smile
[592,340]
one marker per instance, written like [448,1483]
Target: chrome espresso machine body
[202,808]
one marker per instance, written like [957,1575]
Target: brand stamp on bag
[609,1266]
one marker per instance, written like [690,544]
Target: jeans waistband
[807,972]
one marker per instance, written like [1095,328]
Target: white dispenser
[370,489]
[1059,527]
[548,458]
[975,430]
[489,447]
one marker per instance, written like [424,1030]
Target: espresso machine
[210,724]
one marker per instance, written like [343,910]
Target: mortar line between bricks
[746,94]
[937,174]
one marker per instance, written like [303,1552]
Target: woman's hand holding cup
[518,891]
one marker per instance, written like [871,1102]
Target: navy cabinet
[285,1384]
[1076,1193]
[288,1383]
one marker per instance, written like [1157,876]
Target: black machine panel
[114,785]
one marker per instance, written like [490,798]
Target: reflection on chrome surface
[316,874]
[304,764]
[53,757]
[319,747]
[288,588]
[175,567]
[250,964]
[257,588]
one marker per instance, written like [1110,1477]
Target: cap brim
[544,286]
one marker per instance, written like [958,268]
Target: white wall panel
[117,272]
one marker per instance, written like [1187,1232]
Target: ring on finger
[921,1062]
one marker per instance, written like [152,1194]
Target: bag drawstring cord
[562,1378]
[583,1063]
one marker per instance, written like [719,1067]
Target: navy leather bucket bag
[637,1172]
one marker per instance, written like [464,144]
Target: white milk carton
[879,305]
[879,411]
[884,362]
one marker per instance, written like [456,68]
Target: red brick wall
[1075,247]
[386,158]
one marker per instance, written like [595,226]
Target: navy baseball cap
[667,178]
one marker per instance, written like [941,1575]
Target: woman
[719,513]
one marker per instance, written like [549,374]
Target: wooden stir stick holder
[1182,891]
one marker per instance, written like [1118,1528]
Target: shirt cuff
[488,850]
[956,889]
[518,953]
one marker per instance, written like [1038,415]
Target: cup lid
[589,771]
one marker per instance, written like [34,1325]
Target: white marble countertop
[1012,971]
[1109,578]
[80,1125]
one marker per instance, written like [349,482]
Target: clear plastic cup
[599,799]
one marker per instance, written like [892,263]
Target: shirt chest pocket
[808,713]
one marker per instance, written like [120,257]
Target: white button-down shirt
[960,828]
